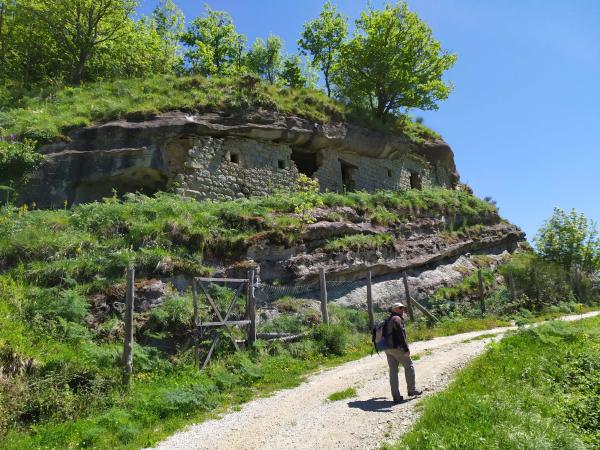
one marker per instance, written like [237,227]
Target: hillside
[62,283]
[50,113]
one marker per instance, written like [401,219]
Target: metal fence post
[411,313]
[251,301]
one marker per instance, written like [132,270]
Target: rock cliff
[219,156]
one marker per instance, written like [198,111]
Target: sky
[524,116]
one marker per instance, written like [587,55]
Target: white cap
[398,305]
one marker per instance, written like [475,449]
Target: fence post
[511,286]
[251,309]
[196,322]
[409,307]
[481,293]
[323,284]
[370,301]
[128,345]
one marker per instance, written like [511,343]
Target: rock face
[220,157]
[431,256]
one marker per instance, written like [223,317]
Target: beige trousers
[395,357]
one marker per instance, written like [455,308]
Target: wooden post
[409,307]
[196,320]
[511,286]
[481,293]
[128,346]
[251,309]
[424,310]
[370,301]
[323,283]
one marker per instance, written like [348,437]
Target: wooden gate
[246,287]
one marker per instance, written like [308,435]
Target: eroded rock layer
[221,157]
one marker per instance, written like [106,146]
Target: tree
[322,38]
[291,74]
[392,63]
[213,45]
[266,58]
[169,23]
[570,239]
[141,52]
[79,27]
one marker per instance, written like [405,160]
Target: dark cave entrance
[306,162]
[348,176]
[415,181]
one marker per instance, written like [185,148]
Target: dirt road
[303,418]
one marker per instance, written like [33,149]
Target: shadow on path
[376,404]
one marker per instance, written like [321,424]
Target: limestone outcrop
[220,157]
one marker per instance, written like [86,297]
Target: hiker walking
[397,353]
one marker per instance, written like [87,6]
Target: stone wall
[371,174]
[229,168]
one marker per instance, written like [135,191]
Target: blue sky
[525,114]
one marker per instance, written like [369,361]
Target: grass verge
[536,389]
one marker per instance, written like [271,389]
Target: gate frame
[249,320]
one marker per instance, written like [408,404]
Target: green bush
[332,339]
[52,304]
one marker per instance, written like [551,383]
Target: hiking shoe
[415,393]
[398,400]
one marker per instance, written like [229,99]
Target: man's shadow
[376,404]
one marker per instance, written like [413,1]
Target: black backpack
[381,336]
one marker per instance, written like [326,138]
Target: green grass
[90,245]
[52,261]
[48,115]
[358,242]
[536,389]
[342,395]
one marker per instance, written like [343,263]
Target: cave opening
[348,176]
[306,162]
[415,181]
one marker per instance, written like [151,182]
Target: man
[399,353]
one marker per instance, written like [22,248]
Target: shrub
[332,339]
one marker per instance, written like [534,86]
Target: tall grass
[537,389]
[49,114]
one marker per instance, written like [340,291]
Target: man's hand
[407,353]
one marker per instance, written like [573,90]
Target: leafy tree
[266,58]
[291,74]
[28,53]
[322,38]
[169,23]
[140,52]
[213,45]
[392,63]
[570,239]
[79,27]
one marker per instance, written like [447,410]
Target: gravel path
[303,418]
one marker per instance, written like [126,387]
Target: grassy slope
[52,260]
[537,389]
[48,115]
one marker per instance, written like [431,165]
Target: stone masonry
[229,168]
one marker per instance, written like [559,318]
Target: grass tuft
[342,395]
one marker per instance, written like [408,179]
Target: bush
[52,304]
[332,339]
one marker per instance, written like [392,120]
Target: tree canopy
[322,38]
[213,44]
[569,238]
[392,63]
